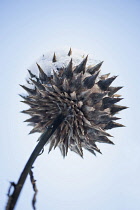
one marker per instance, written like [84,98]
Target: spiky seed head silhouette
[87,99]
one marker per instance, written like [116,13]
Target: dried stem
[42,141]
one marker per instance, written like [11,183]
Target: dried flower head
[85,98]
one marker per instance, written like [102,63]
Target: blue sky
[108,29]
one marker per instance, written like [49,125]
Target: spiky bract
[87,100]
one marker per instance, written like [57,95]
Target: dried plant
[85,98]
[72,109]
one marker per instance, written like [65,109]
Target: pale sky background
[111,31]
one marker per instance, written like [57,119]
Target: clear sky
[111,31]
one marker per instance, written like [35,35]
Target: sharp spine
[70,52]
[104,84]
[54,58]
[82,66]
[95,68]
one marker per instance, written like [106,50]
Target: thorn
[116,108]
[54,58]
[116,96]
[104,84]
[112,124]
[90,81]
[32,131]
[95,68]
[31,74]
[82,66]
[24,97]
[38,85]
[34,119]
[108,102]
[105,76]
[113,90]
[115,118]
[68,70]
[70,52]
[42,74]
[30,91]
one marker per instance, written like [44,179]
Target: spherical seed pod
[85,97]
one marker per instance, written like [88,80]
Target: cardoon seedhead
[86,99]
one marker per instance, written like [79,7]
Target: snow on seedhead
[62,60]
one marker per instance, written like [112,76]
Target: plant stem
[42,141]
